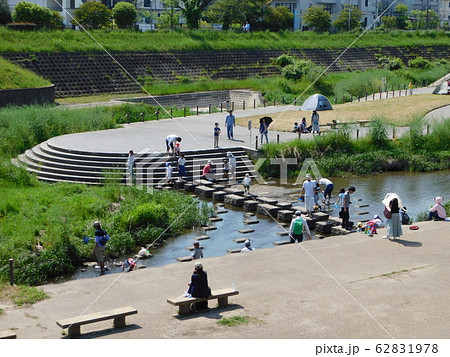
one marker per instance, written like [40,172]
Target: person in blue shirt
[101,238]
[230,122]
[216,135]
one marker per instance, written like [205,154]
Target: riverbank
[316,289]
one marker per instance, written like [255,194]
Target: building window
[72,4]
[328,7]
[291,5]
[366,3]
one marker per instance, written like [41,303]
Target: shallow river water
[416,190]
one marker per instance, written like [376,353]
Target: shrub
[27,12]
[147,214]
[297,69]
[390,63]
[377,135]
[124,14]
[93,15]
[419,62]
[284,60]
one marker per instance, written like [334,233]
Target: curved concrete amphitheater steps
[80,73]
[53,163]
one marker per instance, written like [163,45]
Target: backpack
[298,226]
[104,238]
[405,218]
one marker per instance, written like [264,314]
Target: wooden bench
[7,334]
[73,324]
[184,303]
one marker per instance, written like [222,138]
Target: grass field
[123,40]
[398,111]
[14,77]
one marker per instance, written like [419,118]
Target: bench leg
[74,330]
[119,321]
[223,301]
[184,309]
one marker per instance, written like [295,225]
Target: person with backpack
[101,239]
[299,228]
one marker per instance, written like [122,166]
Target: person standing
[263,130]
[329,186]
[101,239]
[410,88]
[216,135]
[299,229]
[315,122]
[169,170]
[345,211]
[246,27]
[198,287]
[181,167]
[170,141]
[309,191]
[131,163]
[393,205]
[246,182]
[232,165]
[230,122]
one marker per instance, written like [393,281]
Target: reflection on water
[416,190]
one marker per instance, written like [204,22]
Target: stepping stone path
[184,259]
[234,250]
[191,248]
[323,227]
[205,191]
[283,233]
[234,191]
[209,228]
[361,206]
[222,211]
[267,200]
[338,231]
[320,216]
[251,221]
[285,215]
[234,200]
[240,240]
[282,242]
[215,219]
[250,205]
[202,237]
[246,230]
[362,213]
[219,195]
[267,209]
[284,205]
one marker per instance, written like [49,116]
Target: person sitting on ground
[128,265]
[248,247]
[198,253]
[379,223]
[437,212]
[208,171]
[226,168]
[299,229]
[198,287]
[246,183]
[304,128]
[296,128]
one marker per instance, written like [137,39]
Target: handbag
[387,213]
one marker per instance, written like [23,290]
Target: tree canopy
[5,12]
[317,19]
[349,18]
[42,16]
[124,14]
[93,14]
[192,11]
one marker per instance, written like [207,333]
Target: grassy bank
[335,154]
[122,40]
[13,77]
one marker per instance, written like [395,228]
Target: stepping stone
[246,230]
[311,222]
[339,231]
[178,184]
[283,225]
[299,208]
[282,242]
[234,250]
[359,199]
[320,216]
[234,200]
[250,205]
[364,220]
[220,204]
[267,209]
[190,187]
[248,214]
[240,240]
[334,221]
[204,191]
[184,259]
[209,228]
[215,219]
[219,195]
[285,215]
[362,213]
[222,211]
[234,191]
[204,182]
[323,227]
[283,233]
[267,200]
[218,187]
[191,248]
[251,221]
[319,236]
[361,206]
[284,205]
[202,237]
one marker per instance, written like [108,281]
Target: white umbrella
[317,102]
[389,197]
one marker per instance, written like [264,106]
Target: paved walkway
[340,287]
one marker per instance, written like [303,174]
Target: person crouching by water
[197,254]
[437,212]
[198,287]
[299,228]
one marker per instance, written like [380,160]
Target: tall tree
[192,11]
[124,14]
[170,18]
[317,19]
[349,18]
[401,14]
[5,12]
[92,14]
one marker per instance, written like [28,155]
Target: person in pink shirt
[437,212]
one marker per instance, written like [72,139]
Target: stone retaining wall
[27,96]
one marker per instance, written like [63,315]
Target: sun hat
[247,243]
[308,176]
[97,224]
[198,266]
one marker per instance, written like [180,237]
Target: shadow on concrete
[211,313]
[103,333]
[407,243]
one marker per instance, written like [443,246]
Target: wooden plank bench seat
[184,303]
[7,334]
[73,324]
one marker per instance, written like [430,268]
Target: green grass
[21,295]
[123,40]
[237,321]
[14,77]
